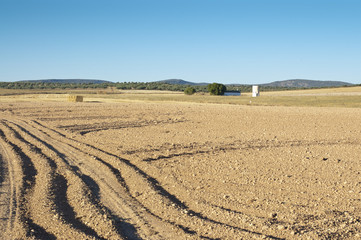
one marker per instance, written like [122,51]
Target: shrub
[216,89]
[189,91]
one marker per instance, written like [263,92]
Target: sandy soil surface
[178,171]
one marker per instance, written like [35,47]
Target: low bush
[189,91]
[216,89]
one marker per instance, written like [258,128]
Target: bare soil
[96,170]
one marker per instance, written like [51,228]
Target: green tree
[189,91]
[216,89]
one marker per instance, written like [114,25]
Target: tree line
[130,85]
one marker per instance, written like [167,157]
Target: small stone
[273,215]
[280,227]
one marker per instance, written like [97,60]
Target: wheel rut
[23,223]
[186,219]
[52,193]
[75,187]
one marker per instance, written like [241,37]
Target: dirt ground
[96,170]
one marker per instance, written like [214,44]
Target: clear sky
[225,41]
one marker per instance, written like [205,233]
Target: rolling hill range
[180,82]
[304,83]
[291,83]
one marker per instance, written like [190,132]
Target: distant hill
[68,81]
[291,83]
[180,82]
[304,83]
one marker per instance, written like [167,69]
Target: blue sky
[225,41]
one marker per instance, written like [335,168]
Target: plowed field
[140,170]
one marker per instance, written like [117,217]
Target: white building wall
[255,91]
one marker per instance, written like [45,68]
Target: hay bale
[75,98]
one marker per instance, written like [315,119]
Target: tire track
[187,219]
[41,202]
[23,226]
[96,127]
[115,197]
[79,195]
[48,204]
[9,188]
[175,208]
[236,146]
